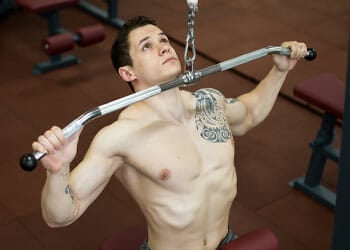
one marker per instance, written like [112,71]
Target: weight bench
[60,40]
[131,239]
[327,93]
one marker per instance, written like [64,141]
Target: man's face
[154,59]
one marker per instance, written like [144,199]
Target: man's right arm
[67,194]
[59,206]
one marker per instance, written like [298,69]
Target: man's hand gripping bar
[28,161]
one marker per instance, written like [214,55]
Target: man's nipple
[164,174]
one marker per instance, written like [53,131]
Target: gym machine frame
[342,205]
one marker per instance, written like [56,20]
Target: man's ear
[126,73]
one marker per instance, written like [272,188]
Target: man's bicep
[97,167]
[237,116]
[90,178]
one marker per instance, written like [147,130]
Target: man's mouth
[170,59]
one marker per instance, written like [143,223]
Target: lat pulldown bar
[28,161]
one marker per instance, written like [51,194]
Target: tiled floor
[267,158]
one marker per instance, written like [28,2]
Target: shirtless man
[173,152]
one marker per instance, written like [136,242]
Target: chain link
[190,41]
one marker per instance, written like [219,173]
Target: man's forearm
[265,94]
[59,206]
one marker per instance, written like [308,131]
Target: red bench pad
[45,5]
[326,92]
[132,239]
[260,239]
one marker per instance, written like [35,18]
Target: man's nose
[164,48]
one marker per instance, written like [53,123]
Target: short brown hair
[120,55]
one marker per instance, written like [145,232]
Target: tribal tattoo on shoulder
[209,117]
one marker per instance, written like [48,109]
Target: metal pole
[342,208]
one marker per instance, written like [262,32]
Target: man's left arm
[252,108]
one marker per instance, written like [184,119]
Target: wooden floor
[267,158]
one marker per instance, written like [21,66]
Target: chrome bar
[184,80]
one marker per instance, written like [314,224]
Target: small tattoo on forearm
[69,192]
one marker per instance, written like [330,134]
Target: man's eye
[146,46]
[164,40]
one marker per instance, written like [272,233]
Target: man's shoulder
[128,119]
[132,113]
[117,134]
[211,94]
[208,93]
[134,118]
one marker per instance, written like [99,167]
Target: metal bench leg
[110,16]
[321,151]
[56,61]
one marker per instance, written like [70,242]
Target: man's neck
[169,105]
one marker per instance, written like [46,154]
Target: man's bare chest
[169,153]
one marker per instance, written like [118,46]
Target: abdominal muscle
[187,228]
[194,216]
